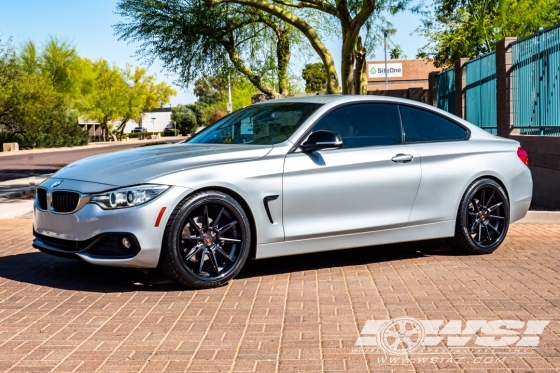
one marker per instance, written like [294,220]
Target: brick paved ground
[293,314]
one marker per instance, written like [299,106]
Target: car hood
[139,165]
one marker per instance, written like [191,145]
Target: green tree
[185,119]
[315,77]
[214,39]
[208,90]
[467,28]
[118,96]
[396,53]
[143,94]
[212,93]
[43,92]
[109,97]
[32,112]
[351,16]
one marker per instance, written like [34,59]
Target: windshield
[263,124]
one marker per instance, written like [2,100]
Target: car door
[368,184]
[447,164]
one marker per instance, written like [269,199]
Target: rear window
[422,126]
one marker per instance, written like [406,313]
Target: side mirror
[322,140]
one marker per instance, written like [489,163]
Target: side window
[422,126]
[363,125]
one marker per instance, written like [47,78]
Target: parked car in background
[139,129]
[170,130]
[284,177]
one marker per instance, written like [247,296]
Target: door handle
[402,158]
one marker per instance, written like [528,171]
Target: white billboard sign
[377,70]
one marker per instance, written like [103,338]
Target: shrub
[171,132]
[144,135]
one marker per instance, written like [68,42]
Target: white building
[154,121]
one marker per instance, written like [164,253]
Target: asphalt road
[25,165]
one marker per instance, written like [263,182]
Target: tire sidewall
[189,205]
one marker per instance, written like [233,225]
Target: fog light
[125,242]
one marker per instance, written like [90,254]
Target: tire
[483,218]
[203,255]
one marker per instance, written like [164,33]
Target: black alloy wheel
[483,218]
[207,240]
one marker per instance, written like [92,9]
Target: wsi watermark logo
[406,335]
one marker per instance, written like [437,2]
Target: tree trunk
[121,128]
[347,67]
[240,66]
[350,27]
[364,78]
[283,55]
[303,26]
[360,54]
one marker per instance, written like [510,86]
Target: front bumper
[91,228]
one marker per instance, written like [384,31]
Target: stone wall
[544,162]
[416,94]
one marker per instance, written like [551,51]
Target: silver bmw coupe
[286,177]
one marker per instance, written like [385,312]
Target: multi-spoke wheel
[483,218]
[207,240]
[401,335]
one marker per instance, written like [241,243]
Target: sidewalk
[169,139]
[19,187]
[300,313]
[16,208]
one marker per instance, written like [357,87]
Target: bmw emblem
[56,184]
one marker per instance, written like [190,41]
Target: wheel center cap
[207,240]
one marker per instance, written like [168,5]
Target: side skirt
[347,241]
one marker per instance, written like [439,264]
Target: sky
[89,25]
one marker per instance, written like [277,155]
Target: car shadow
[45,270]
[346,257]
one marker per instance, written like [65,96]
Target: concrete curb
[540,217]
[17,188]
[19,193]
[90,145]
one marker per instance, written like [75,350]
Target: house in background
[154,121]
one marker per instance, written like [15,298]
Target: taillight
[522,154]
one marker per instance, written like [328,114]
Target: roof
[323,99]
[315,99]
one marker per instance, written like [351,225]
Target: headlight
[127,197]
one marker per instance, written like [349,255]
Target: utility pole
[174,124]
[229,104]
[385,47]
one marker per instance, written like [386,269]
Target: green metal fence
[536,83]
[445,93]
[480,92]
